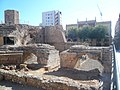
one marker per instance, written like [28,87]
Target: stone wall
[69,58]
[46,54]
[11,17]
[107,64]
[107,59]
[1,40]
[94,42]
[56,83]
[102,54]
[54,34]
[43,54]
[66,45]
[51,35]
[11,57]
[101,57]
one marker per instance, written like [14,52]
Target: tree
[84,33]
[73,34]
[88,32]
[99,32]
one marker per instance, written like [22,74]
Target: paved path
[6,85]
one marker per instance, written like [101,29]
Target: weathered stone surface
[46,54]
[91,64]
[99,57]
[90,60]
[49,82]
[11,17]
[54,34]
[73,57]
[43,54]
[11,57]
[1,77]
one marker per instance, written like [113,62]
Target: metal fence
[115,76]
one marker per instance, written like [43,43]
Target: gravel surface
[6,85]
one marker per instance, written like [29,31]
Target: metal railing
[115,76]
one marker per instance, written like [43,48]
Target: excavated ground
[71,77]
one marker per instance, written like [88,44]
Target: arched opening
[8,40]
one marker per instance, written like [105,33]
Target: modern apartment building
[51,18]
[11,17]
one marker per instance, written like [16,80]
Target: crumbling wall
[66,45]
[5,32]
[107,64]
[54,34]
[37,35]
[43,54]
[22,37]
[99,57]
[46,54]
[23,33]
[72,57]
[11,57]
[107,59]
[1,40]
[57,83]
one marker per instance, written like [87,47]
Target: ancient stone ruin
[41,57]
[82,58]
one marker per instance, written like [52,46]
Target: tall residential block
[11,17]
[51,18]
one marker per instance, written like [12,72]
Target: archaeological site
[41,57]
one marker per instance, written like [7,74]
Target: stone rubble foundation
[48,82]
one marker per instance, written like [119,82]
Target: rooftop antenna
[100,11]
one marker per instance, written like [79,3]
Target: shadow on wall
[76,74]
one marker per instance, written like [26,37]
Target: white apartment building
[51,18]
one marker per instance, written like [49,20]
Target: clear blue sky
[31,10]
